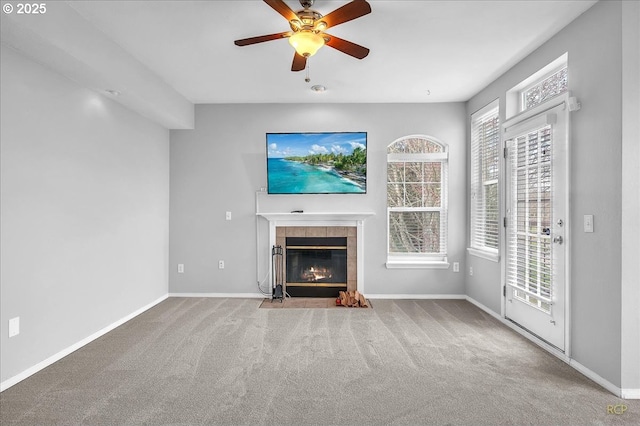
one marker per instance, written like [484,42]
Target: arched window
[417,202]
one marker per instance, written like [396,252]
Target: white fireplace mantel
[317,217]
[322,219]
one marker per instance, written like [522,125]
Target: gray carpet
[224,361]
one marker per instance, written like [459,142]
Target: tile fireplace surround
[350,225]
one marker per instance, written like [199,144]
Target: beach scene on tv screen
[317,163]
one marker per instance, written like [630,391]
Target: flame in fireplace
[315,273]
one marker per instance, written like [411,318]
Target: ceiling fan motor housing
[307,20]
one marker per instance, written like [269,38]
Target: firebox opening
[316,266]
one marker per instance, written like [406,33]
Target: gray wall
[84,230]
[593,42]
[219,166]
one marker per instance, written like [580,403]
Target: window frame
[541,79]
[513,98]
[478,211]
[421,260]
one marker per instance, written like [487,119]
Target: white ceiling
[164,56]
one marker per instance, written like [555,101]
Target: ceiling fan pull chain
[307,79]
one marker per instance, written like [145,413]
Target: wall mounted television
[317,163]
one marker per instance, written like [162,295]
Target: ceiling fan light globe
[306,43]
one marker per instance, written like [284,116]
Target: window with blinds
[417,201]
[484,183]
[529,247]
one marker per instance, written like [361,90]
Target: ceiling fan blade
[347,47]
[261,39]
[348,12]
[299,62]
[281,7]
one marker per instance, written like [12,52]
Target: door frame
[563,99]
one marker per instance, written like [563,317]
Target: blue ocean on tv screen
[317,163]
[291,177]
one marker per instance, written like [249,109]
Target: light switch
[588,223]
[181,268]
[14,326]
[228,216]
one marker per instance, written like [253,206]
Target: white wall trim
[223,295]
[484,254]
[417,264]
[484,308]
[630,394]
[415,296]
[58,356]
[596,378]
[622,393]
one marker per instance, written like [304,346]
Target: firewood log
[363,301]
[344,300]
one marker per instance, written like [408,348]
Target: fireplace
[316,266]
[349,225]
[339,242]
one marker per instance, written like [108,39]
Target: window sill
[417,264]
[494,257]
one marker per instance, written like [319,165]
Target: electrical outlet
[456,267]
[228,216]
[14,326]
[221,264]
[181,268]
[470,270]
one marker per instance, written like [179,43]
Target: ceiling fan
[307,30]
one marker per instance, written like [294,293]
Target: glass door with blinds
[536,228]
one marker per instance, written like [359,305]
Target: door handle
[558,239]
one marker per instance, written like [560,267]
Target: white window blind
[529,246]
[485,162]
[417,200]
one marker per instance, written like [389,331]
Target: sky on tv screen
[282,145]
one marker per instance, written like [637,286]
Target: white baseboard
[484,308]
[596,378]
[626,394]
[415,296]
[534,339]
[630,394]
[47,362]
[222,295]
